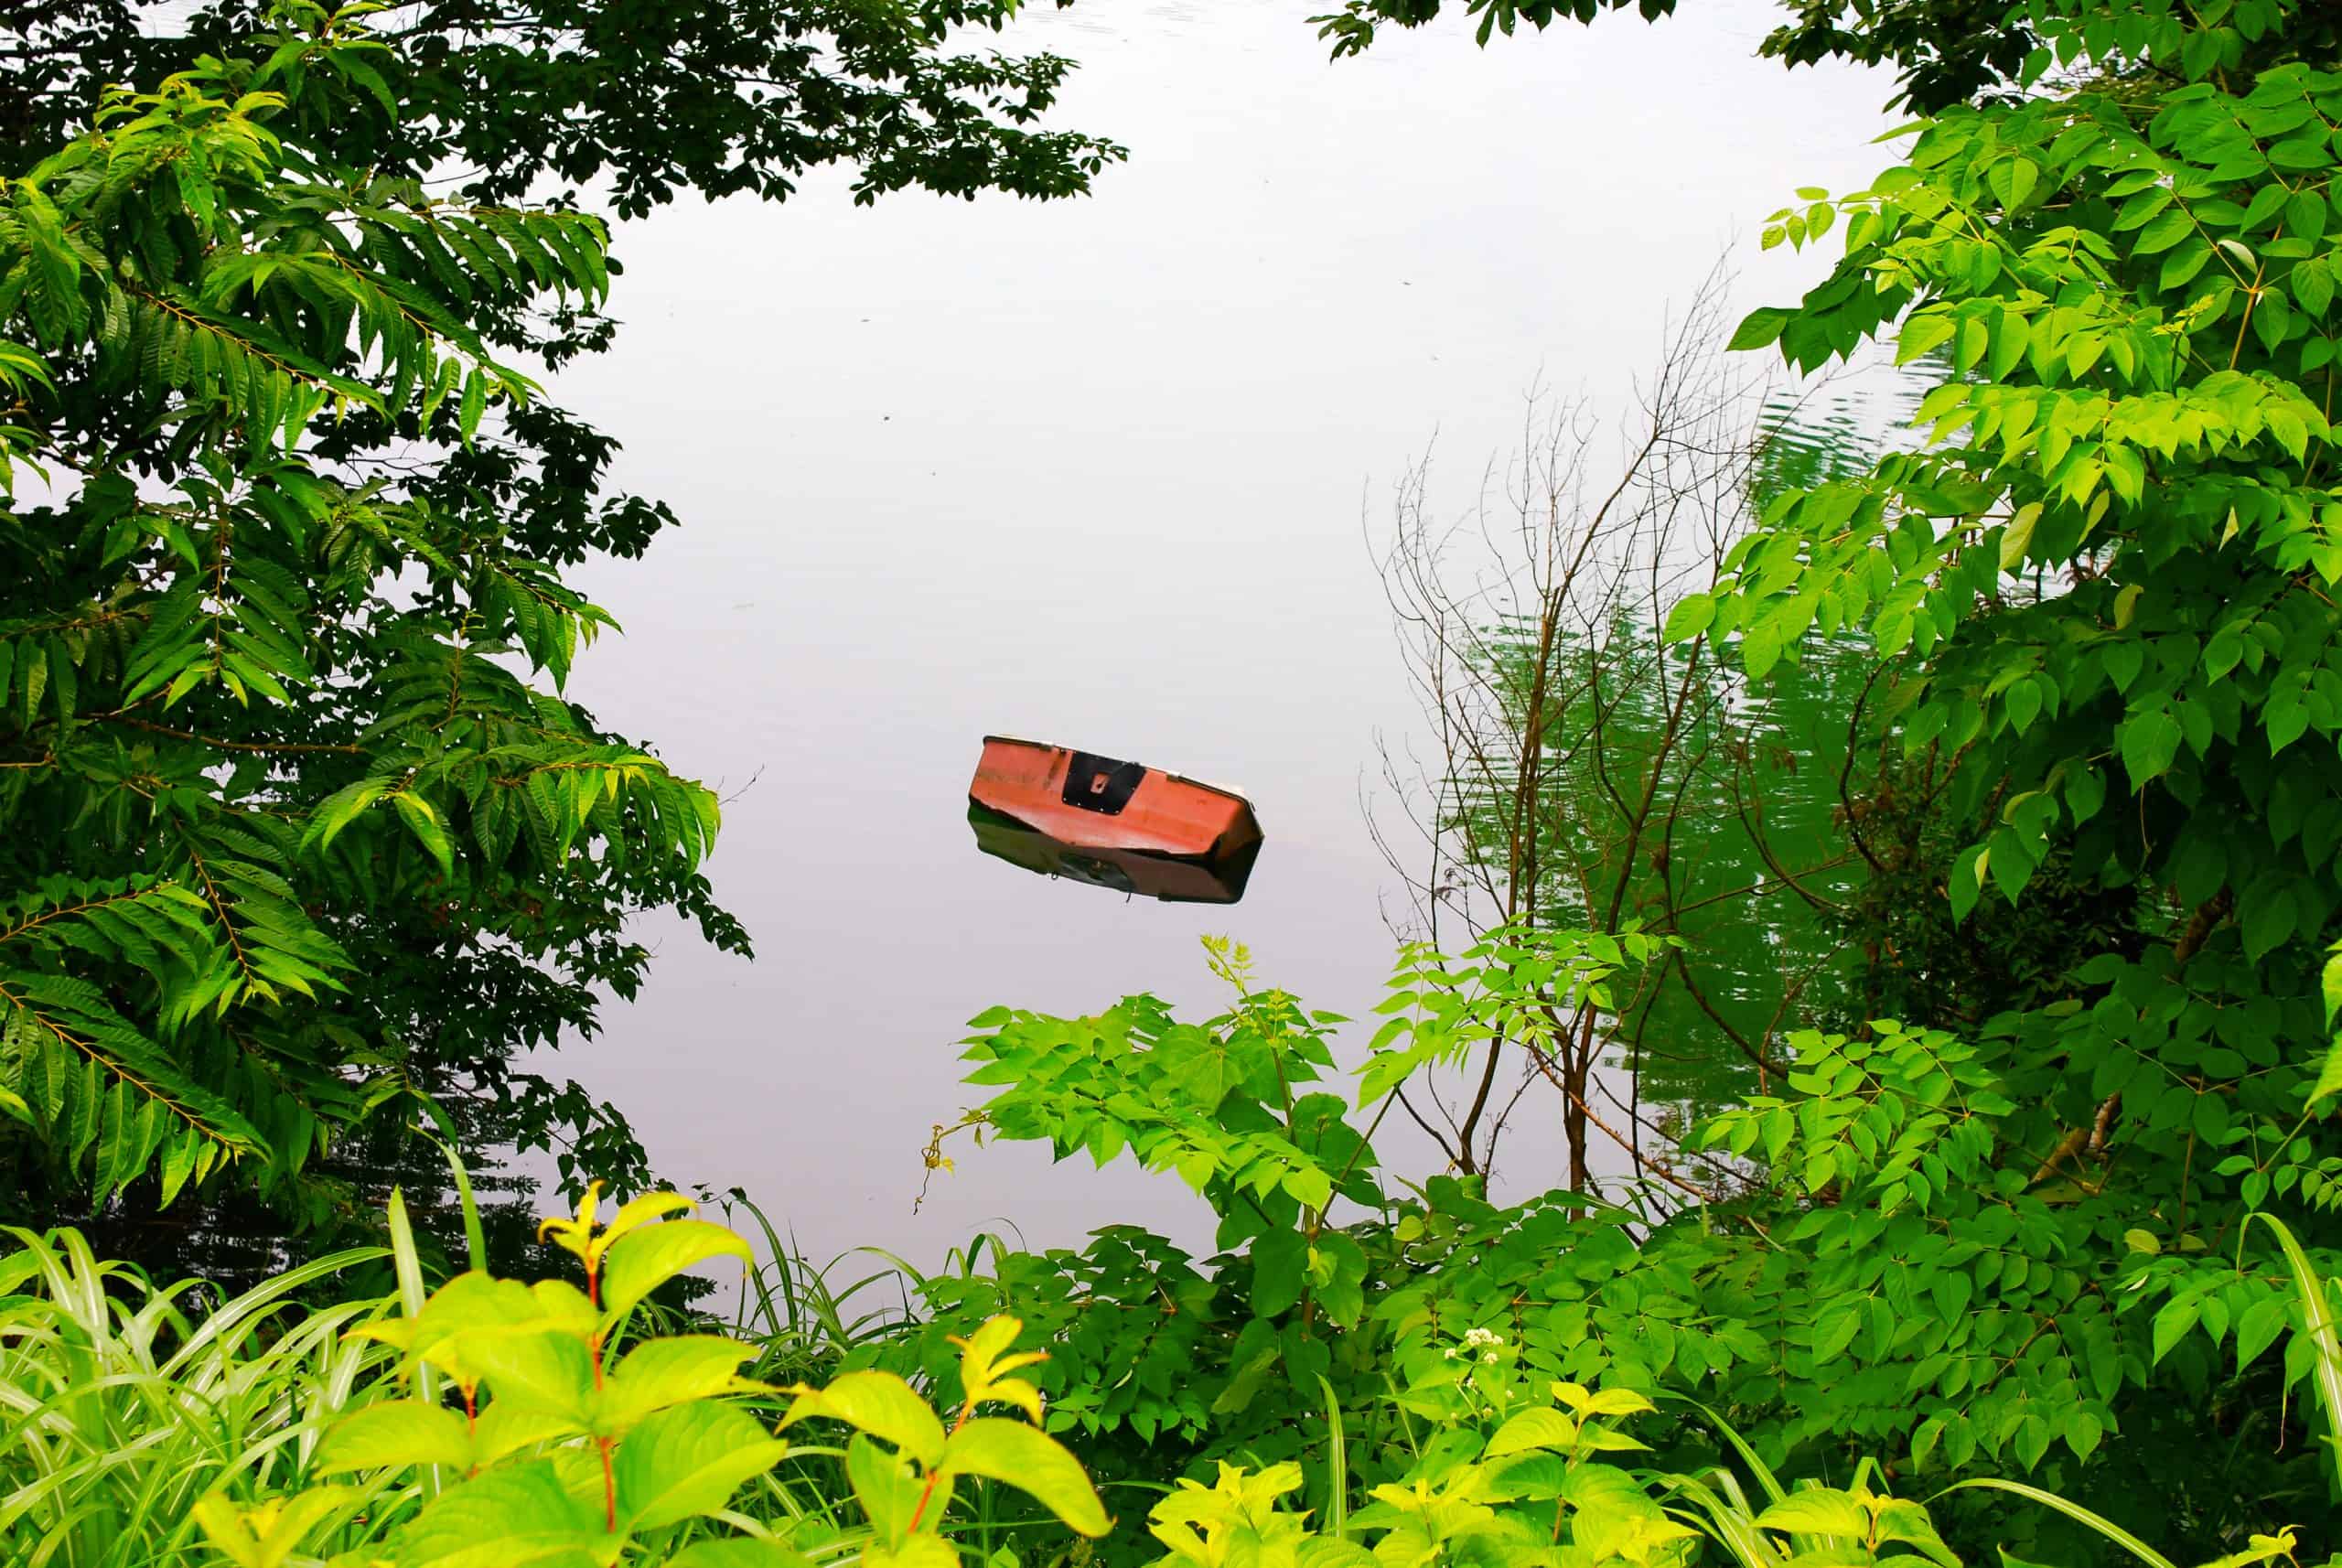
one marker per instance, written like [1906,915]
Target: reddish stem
[594,1357]
[927,1491]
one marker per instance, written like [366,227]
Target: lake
[1102,473]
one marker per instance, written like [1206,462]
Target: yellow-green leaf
[643,1260]
[395,1432]
[688,1461]
[1033,1462]
[879,1404]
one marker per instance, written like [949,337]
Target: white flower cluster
[1480,1343]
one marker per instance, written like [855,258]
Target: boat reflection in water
[1094,820]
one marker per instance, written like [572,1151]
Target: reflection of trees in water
[1583,772]
[236,1241]
[1683,802]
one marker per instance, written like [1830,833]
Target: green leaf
[1034,1463]
[1760,328]
[644,1259]
[1923,334]
[2024,701]
[2313,284]
[1538,1427]
[1342,1294]
[889,1487]
[2172,1323]
[2184,264]
[474,405]
[511,1517]
[2149,741]
[2267,915]
[1952,1290]
[1835,1329]
[540,1368]
[2223,653]
[1817,1511]
[1691,616]
[921,1551]
[2168,229]
[2017,537]
[2258,1328]
[687,1461]
[2329,1076]
[338,809]
[670,1371]
[879,1404]
[231,1529]
[1280,1271]
[2012,181]
[424,823]
[1967,882]
[395,1432]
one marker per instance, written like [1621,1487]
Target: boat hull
[1109,823]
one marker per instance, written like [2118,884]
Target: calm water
[1096,473]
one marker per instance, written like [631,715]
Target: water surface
[1096,473]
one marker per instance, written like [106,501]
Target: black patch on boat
[1101,784]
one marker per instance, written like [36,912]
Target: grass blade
[475,1235]
[1763,1472]
[1724,1516]
[2105,1526]
[2318,1319]
[407,1263]
[1337,1467]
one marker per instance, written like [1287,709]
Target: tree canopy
[294,821]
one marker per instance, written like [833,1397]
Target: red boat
[1110,824]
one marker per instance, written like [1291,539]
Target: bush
[494,1422]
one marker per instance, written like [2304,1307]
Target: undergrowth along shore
[490,1422]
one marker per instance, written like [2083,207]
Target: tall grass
[802,1316]
[121,1404]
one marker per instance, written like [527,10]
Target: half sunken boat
[1120,825]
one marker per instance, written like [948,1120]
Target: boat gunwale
[1238,796]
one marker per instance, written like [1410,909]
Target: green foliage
[1860,1255]
[1944,52]
[717,98]
[1513,1480]
[120,1408]
[2105,571]
[488,1423]
[1353,27]
[283,531]
[2102,578]
[491,1422]
[2015,1233]
[238,747]
[1216,1104]
[541,1431]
